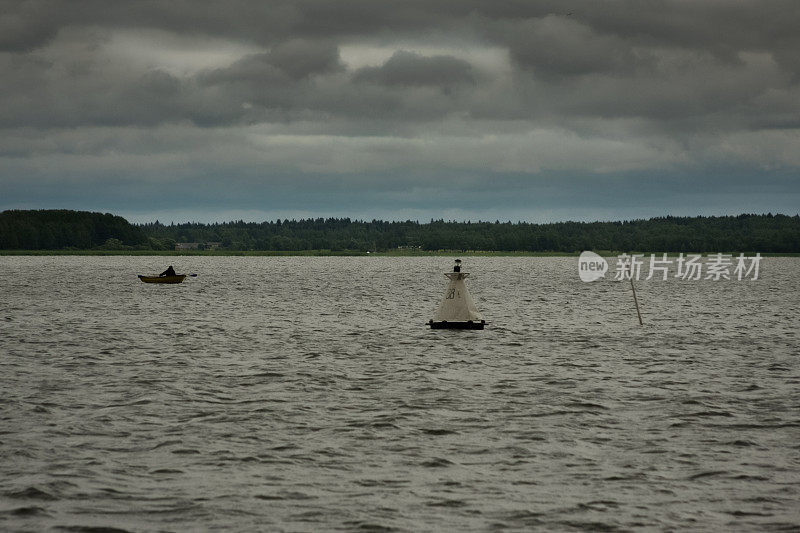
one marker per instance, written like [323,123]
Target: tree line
[58,229]
[63,229]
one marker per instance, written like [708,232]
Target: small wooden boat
[162,279]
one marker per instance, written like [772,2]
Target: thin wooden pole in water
[635,300]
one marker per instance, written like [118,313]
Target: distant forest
[80,230]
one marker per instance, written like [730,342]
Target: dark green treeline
[61,229]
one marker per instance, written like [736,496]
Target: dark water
[306,394]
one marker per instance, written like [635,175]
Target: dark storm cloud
[576,58]
[721,26]
[408,68]
[33,23]
[42,94]
[276,80]
[26,25]
[403,91]
[285,63]
[560,46]
[300,58]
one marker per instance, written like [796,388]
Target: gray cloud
[284,64]
[300,58]
[408,68]
[426,92]
[561,46]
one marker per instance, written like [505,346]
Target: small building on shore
[197,245]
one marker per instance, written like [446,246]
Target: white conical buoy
[457,310]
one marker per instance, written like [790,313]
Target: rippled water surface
[307,394]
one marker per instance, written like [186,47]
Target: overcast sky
[454,109]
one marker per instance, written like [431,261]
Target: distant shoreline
[349,253]
[65,232]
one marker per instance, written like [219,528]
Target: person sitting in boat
[457,267]
[168,272]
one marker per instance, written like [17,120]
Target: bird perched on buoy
[457,310]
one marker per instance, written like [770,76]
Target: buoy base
[456,325]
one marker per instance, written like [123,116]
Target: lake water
[307,394]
